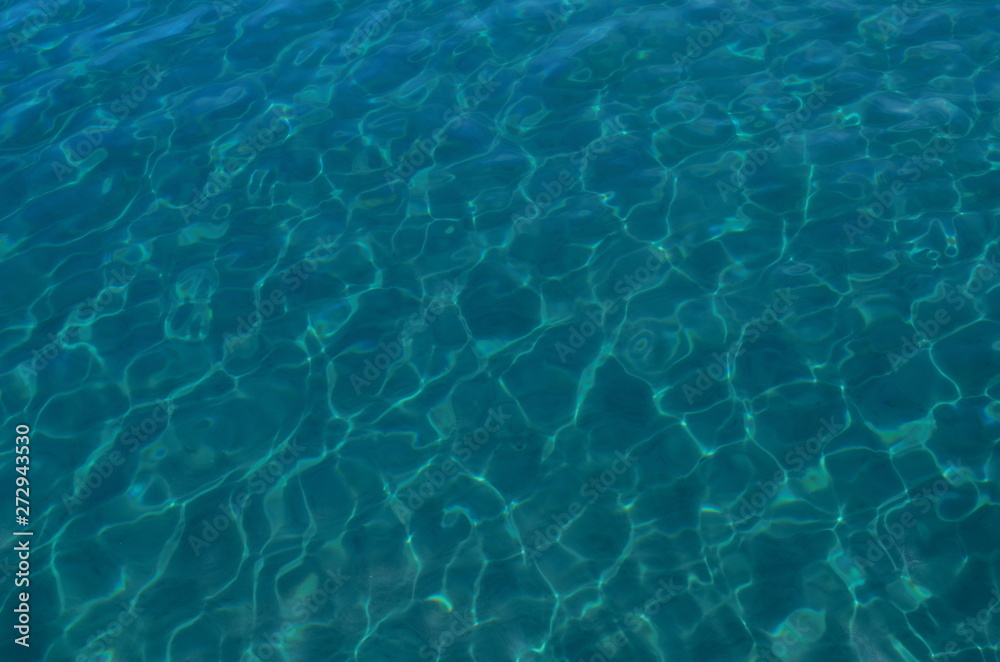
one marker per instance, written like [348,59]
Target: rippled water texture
[510,331]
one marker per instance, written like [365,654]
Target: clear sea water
[502,331]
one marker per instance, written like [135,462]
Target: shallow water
[525,331]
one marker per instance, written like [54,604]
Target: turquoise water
[528,331]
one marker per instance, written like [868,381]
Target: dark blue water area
[501,331]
